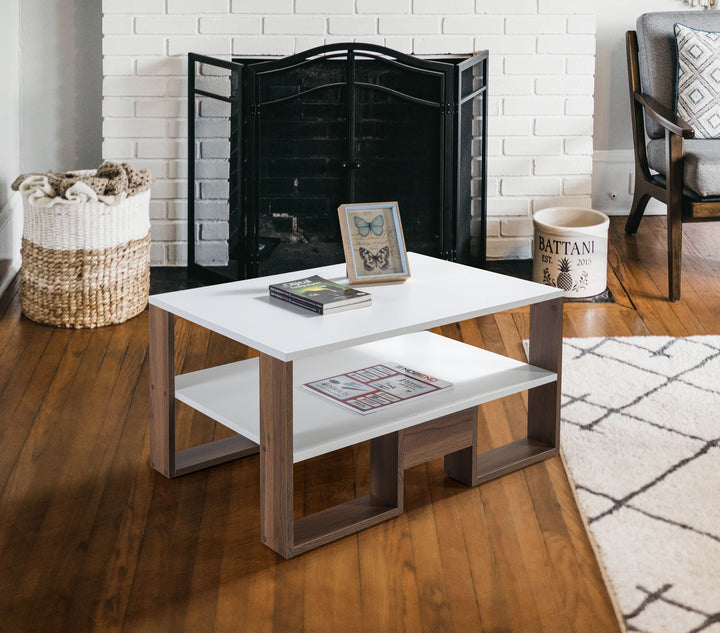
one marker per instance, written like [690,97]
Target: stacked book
[320,295]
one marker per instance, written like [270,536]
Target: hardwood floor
[93,539]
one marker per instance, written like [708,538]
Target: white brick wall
[541,85]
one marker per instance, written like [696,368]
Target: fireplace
[275,146]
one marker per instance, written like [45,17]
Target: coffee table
[263,401]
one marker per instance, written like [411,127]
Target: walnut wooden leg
[546,324]
[276,455]
[386,475]
[162,391]
[674,152]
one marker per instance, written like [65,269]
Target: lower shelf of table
[229,393]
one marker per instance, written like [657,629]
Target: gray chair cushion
[657,55]
[701,167]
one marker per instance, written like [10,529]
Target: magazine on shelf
[320,295]
[377,387]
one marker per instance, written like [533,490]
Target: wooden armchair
[688,169]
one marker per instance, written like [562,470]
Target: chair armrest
[664,116]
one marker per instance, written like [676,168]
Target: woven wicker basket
[86,265]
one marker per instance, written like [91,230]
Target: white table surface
[437,293]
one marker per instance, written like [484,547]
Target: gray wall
[10,101]
[61,66]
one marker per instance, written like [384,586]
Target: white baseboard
[613,182]
[10,236]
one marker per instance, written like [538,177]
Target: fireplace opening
[275,146]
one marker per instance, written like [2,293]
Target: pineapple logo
[564,278]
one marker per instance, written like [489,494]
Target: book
[320,295]
[377,387]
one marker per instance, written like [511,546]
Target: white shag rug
[640,438]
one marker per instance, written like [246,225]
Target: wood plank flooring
[93,539]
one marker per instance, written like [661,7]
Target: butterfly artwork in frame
[373,242]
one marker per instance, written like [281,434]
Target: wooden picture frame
[373,242]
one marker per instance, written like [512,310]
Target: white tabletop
[438,292]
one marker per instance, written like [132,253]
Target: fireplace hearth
[276,145]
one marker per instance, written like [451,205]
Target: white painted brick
[493,227]
[473,24]
[214,190]
[169,108]
[157,254]
[195,7]
[402,44]
[133,7]
[158,209]
[310,41]
[211,128]
[232,24]
[576,85]
[503,7]
[118,149]
[176,254]
[294,25]
[577,185]
[176,128]
[409,25]
[383,6]
[176,88]
[509,167]
[133,87]
[214,231]
[579,145]
[533,106]
[506,44]
[494,146]
[500,206]
[532,146]
[202,45]
[581,24]
[116,106]
[531,186]
[492,185]
[579,105]
[129,128]
[214,108]
[512,85]
[566,44]
[211,253]
[516,227]
[178,210]
[214,149]
[158,168]
[446,7]
[510,126]
[217,169]
[162,66]
[565,126]
[117,24]
[580,65]
[161,149]
[563,165]
[509,248]
[362,25]
[534,24]
[118,66]
[495,65]
[263,45]
[584,202]
[166,25]
[178,168]
[262,6]
[169,189]
[565,6]
[533,65]
[168,231]
[132,45]
[324,6]
[211,210]
[439,45]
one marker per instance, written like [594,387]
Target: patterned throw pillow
[698,80]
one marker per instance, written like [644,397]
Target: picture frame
[373,242]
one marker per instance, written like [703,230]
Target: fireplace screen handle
[355,164]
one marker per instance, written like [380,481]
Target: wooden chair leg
[639,203]
[674,152]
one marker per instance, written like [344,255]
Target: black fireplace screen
[276,146]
